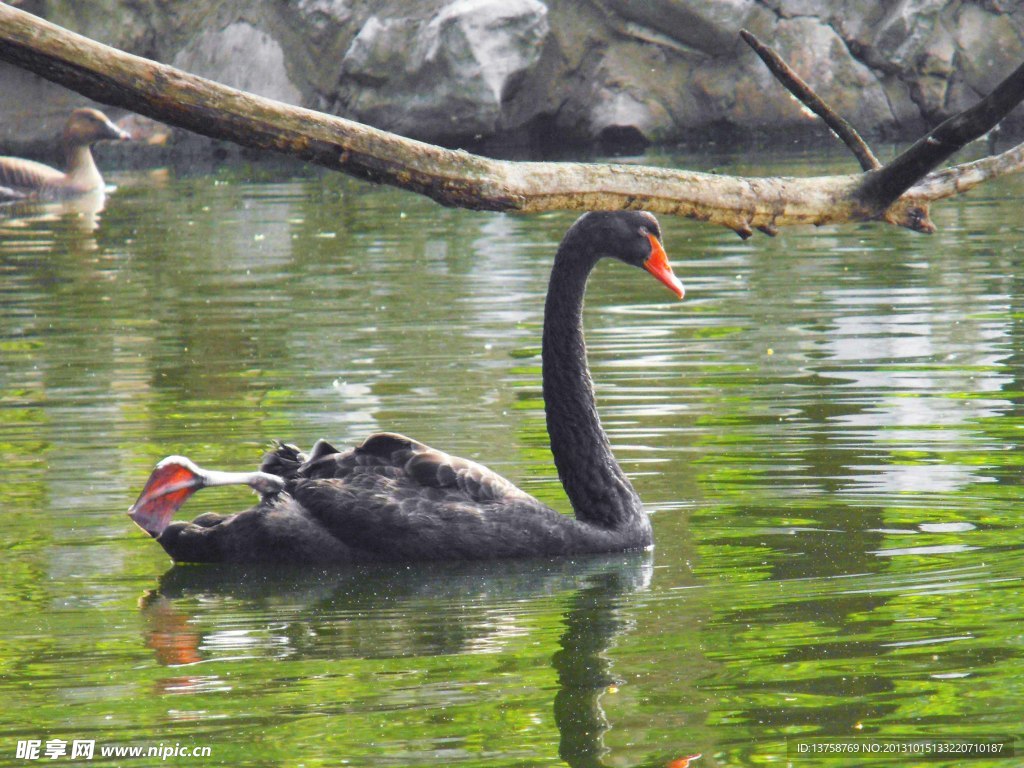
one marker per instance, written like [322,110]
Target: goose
[22,179]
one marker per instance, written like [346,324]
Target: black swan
[22,179]
[393,499]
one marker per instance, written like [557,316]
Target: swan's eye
[644,232]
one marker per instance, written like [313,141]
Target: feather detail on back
[409,462]
[26,177]
[399,498]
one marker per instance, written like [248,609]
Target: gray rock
[559,71]
[447,77]
[991,39]
[242,56]
[710,28]
[815,50]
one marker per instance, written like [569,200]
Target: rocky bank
[556,72]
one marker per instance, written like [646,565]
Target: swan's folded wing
[411,464]
[18,174]
[406,522]
[436,469]
[401,499]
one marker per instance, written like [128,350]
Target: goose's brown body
[393,498]
[22,179]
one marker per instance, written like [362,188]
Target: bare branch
[882,187]
[802,91]
[450,177]
[961,178]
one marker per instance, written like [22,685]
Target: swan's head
[87,126]
[633,237]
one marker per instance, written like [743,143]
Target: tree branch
[450,177]
[882,187]
[806,95]
[961,178]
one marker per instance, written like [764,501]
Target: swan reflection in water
[416,611]
[446,529]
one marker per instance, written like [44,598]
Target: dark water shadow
[584,670]
[591,590]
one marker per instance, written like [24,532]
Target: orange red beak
[657,264]
[172,482]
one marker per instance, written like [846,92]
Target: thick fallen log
[457,178]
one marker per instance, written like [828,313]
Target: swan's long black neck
[599,490]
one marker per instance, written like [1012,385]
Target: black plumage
[393,498]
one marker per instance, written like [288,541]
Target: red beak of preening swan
[657,264]
[176,478]
[173,480]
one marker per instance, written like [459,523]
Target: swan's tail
[283,460]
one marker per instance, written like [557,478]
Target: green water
[828,433]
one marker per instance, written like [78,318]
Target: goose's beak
[657,264]
[116,134]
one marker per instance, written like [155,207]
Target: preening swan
[392,498]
